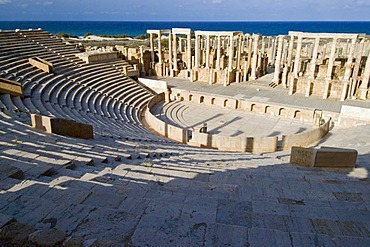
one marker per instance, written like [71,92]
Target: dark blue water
[136,28]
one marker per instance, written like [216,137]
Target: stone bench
[62,126]
[328,157]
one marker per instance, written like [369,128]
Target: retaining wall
[306,138]
[164,129]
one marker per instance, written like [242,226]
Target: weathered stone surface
[323,157]
[74,241]
[47,238]
[5,219]
[10,171]
[16,233]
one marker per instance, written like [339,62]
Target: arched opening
[225,103]
[201,99]
[297,114]
[281,112]
[253,107]
[213,100]
[190,97]
[267,109]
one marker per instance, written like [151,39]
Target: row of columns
[283,60]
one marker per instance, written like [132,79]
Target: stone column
[284,55]
[297,65]
[231,53]
[142,60]
[263,64]
[151,39]
[197,51]
[170,63]
[271,51]
[288,62]
[348,71]
[238,57]
[180,44]
[330,68]
[249,58]
[218,52]
[312,68]
[274,46]
[160,46]
[278,59]
[207,51]
[259,60]
[356,68]
[365,79]
[189,51]
[174,52]
[254,59]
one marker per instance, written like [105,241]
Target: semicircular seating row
[97,94]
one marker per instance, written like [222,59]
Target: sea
[135,28]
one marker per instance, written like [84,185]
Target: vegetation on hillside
[66,35]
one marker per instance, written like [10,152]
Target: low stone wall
[201,98]
[13,88]
[62,126]
[225,143]
[303,114]
[237,144]
[41,64]
[323,157]
[307,137]
[228,143]
[97,56]
[164,129]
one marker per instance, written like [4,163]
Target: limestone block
[13,88]
[41,64]
[16,233]
[328,157]
[302,156]
[62,126]
[336,157]
[50,237]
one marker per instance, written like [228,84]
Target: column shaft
[312,68]
[254,58]
[330,68]
[151,39]
[160,47]
[231,53]
[189,51]
[174,52]
[218,52]
[277,60]
[170,63]
[207,51]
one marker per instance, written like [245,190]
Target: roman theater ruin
[199,138]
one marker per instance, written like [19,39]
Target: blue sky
[186,10]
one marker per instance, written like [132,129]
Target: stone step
[10,171]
